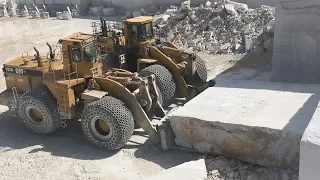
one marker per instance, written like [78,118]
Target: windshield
[142,32]
[90,52]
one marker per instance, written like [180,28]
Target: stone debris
[222,168]
[230,9]
[239,6]
[270,26]
[185,6]
[208,4]
[219,27]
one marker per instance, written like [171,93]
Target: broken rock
[230,9]
[239,47]
[180,16]
[270,26]
[185,6]
[253,177]
[207,4]
[239,6]
[258,49]
[285,176]
[248,29]
[248,45]
[225,48]
[161,19]
[171,9]
[217,8]
[268,44]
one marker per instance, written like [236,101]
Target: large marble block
[257,122]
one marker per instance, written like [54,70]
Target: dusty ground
[67,154]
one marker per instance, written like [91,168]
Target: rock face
[296,42]
[248,120]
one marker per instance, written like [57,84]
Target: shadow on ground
[72,143]
[252,65]
[69,142]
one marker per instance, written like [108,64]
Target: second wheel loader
[177,72]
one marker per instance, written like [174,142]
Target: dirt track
[67,154]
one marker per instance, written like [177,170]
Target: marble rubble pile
[221,168]
[219,27]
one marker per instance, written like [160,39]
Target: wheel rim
[101,129]
[104,126]
[34,115]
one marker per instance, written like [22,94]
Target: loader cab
[80,54]
[139,32]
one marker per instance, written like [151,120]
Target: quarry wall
[134,4]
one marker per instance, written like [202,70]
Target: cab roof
[78,37]
[139,20]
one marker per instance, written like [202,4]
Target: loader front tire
[201,74]
[201,68]
[164,80]
[107,123]
[38,110]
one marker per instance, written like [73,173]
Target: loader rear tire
[38,110]
[107,123]
[164,80]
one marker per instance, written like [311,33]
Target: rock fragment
[239,6]
[285,176]
[248,45]
[207,4]
[185,6]
[268,44]
[270,26]
[161,19]
[230,9]
[252,177]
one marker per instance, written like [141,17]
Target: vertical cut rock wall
[296,49]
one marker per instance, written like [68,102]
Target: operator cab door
[142,35]
[139,35]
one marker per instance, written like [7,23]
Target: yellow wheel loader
[132,45]
[74,80]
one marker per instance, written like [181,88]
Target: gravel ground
[221,168]
[67,154]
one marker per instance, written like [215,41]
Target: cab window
[76,55]
[135,32]
[142,32]
[90,53]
